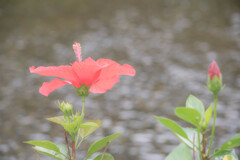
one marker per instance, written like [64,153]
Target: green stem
[83,105]
[214,120]
[199,144]
[68,148]
[73,150]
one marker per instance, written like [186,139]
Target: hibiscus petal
[104,84]
[88,71]
[65,72]
[48,87]
[111,68]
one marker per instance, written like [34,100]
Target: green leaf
[48,148]
[73,126]
[44,144]
[49,153]
[232,143]
[88,124]
[173,126]
[58,120]
[191,134]
[194,103]
[96,146]
[219,154]
[181,152]
[105,157]
[207,116]
[62,148]
[84,132]
[190,115]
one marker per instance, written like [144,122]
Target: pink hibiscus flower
[99,75]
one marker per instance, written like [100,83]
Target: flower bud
[214,83]
[66,108]
[83,91]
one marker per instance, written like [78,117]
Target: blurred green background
[170,43]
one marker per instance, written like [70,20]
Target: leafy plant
[86,76]
[195,138]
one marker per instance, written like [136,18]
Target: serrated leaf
[84,132]
[105,157]
[207,116]
[173,126]
[96,146]
[49,153]
[181,152]
[190,115]
[232,143]
[58,119]
[44,144]
[194,103]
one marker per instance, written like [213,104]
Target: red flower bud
[214,83]
[214,70]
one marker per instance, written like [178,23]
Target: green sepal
[83,91]
[215,85]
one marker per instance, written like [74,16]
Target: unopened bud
[66,108]
[214,83]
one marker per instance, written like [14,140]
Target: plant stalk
[199,143]
[83,105]
[36,154]
[193,147]
[68,148]
[73,150]
[214,121]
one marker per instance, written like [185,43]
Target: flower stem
[199,143]
[83,105]
[193,147]
[73,150]
[36,154]
[214,120]
[68,148]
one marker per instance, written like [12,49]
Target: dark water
[170,43]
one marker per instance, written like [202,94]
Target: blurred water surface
[170,43]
